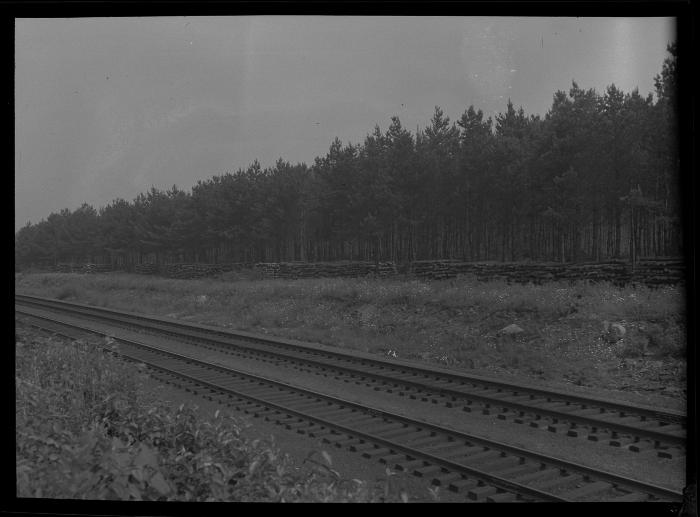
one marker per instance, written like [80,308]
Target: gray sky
[107,107]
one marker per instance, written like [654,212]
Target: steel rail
[505,484]
[659,414]
[636,432]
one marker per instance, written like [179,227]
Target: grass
[88,429]
[453,322]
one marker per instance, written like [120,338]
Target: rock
[613,332]
[511,330]
[618,329]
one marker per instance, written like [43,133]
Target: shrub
[87,429]
[67,292]
[666,341]
[158,454]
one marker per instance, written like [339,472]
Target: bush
[652,339]
[666,340]
[87,429]
[158,454]
[67,292]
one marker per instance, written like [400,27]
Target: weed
[666,341]
[87,429]
[451,322]
[67,292]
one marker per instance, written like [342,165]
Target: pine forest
[595,178]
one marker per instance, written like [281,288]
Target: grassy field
[453,323]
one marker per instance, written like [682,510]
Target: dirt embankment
[629,341]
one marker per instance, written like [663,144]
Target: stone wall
[96,268]
[650,272]
[186,271]
[82,268]
[147,268]
[67,268]
[189,271]
[325,269]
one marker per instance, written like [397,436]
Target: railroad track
[635,428]
[481,469]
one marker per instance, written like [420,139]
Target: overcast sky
[107,107]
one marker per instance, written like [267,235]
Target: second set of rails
[444,452]
[634,427]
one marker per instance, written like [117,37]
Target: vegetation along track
[482,469]
[636,428]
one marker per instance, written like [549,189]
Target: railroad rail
[636,428]
[481,469]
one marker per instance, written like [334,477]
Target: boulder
[613,332]
[511,330]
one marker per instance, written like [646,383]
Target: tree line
[596,178]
